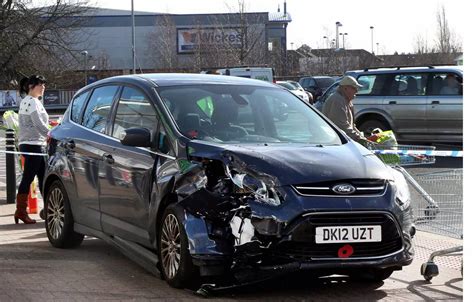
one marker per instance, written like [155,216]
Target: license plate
[342,234]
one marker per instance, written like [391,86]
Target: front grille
[301,244]
[363,187]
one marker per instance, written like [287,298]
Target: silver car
[422,104]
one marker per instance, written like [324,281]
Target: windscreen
[245,114]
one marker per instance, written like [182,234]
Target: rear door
[405,102]
[84,145]
[444,115]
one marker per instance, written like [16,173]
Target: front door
[126,173]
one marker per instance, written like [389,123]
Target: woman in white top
[33,129]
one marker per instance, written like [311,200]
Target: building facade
[172,42]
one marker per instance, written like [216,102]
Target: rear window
[325,82]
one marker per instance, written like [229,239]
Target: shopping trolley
[438,208]
[446,188]
[399,156]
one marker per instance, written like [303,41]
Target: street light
[333,43]
[133,40]
[338,24]
[85,53]
[372,34]
[343,40]
[377,48]
[327,41]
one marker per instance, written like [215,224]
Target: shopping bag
[385,139]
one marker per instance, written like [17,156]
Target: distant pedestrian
[340,110]
[33,129]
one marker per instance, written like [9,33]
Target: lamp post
[133,40]
[85,53]
[327,41]
[377,47]
[343,40]
[333,43]
[372,35]
[338,24]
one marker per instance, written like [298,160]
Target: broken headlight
[264,191]
[402,197]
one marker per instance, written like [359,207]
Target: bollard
[10,165]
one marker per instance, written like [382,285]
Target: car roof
[178,79]
[446,68]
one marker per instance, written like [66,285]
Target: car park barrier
[10,165]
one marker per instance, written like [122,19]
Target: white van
[259,73]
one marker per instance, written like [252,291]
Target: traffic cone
[32,199]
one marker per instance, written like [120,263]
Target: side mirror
[136,137]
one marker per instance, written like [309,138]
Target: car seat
[225,113]
[412,86]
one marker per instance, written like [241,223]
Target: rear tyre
[175,261]
[368,126]
[59,220]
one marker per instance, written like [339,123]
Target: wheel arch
[364,116]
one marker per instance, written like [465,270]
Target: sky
[396,23]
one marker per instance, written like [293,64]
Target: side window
[374,84]
[368,82]
[76,107]
[98,108]
[445,84]
[411,84]
[134,110]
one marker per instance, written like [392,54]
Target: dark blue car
[204,175]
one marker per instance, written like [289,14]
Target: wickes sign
[190,38]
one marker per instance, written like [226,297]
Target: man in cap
[340,110]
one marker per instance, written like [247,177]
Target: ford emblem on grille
[343,189]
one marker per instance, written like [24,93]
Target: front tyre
[174,259]
[59,220]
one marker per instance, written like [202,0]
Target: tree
[40,39]
[247,48]
[162,44]
[446,41]
[421,44]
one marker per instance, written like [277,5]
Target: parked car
[316,85]
[294,89]
[161,166]
[415,102]
[258,73]
[296,84]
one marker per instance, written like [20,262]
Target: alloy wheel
[170,246]
[55,214]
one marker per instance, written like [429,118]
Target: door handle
[434,102]
[392,102]
[70,144]
[108,158]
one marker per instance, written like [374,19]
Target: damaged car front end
[239,218]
